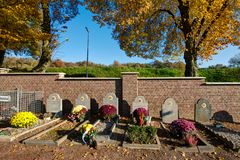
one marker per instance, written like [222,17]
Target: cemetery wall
[224,97]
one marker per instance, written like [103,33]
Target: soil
[58,132]
[70,151]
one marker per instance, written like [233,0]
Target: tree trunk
[46,51]
[191,64]
[45,57]
[2,55]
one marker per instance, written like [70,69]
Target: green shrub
[142,135]
[23,119]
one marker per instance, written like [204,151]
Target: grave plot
[105,126]
[9,133]
[140,134]
[59,133]
[108,113]
[55,135]
[230,137]
[184,136]
[24,124]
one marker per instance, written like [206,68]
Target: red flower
[140,114]
[107,111]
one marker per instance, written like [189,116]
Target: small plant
[140,116]
[23,119]
[78,113]
[142,135]
[107,112]
[180,127]
[190,139]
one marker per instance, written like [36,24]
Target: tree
[235,61]
[55,14]
[19,27]
[152,28]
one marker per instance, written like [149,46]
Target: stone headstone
[139,102]
[54,103]
[169,110]
[203,111]
[111,99]
[83,100]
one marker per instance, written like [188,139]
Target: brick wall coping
[171,78]
[129,73]
[89,78]
[223,83]
[33,74]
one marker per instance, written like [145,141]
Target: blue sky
[104,49]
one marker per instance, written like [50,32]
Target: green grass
[116,71]
[212,75]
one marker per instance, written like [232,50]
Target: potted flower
[107,112]
[140,116]
[88,132]
[185,130]
[78,113]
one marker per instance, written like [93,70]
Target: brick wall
[185,91]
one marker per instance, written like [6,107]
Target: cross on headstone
[139,102]
[83,100]
[203,111]
[111,99]
[169,110]
[54,103]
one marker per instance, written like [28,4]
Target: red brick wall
[68,89]
[185,91]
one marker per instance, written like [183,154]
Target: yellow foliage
[147,27]
[19,24]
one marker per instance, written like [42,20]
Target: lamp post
[87,51]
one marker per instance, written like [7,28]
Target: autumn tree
[195,29]
[19,27]
[55,14]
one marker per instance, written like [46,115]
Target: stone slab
[54,103]
[111,99]
[169,110]
[139,102]
[83,100]
[203,111]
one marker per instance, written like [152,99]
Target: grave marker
[111,99]
[139,102]
[54,103]
[169,110]
[83,100]
[203,111]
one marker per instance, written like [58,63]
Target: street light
[87,51]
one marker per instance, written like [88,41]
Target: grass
[103,71]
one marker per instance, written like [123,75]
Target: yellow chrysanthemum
[77,109]
[23,119]
[87,127]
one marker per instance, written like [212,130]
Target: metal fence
[15,101]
